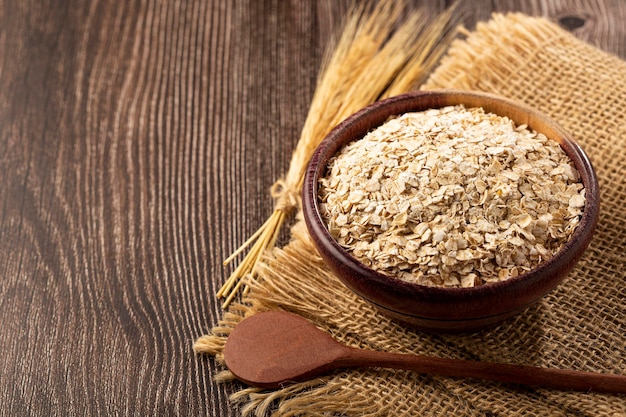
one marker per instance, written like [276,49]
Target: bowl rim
[355,126]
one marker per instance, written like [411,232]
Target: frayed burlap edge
[513,38]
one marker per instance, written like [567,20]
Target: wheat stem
[374,57]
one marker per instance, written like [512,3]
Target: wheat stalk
[375,57]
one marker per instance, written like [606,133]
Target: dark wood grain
[138,141]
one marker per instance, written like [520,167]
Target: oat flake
[452,197]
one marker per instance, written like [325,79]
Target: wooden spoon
[276,348]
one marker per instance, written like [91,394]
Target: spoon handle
[517,374]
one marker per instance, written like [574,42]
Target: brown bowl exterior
[438,308]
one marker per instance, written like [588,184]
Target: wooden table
[138,141]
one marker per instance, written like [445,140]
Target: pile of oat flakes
[453,197]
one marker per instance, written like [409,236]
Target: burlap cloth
[581,325]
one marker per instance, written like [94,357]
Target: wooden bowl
[440,308]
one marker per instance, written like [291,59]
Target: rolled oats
[452,197]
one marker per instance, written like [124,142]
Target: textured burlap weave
[581,325]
